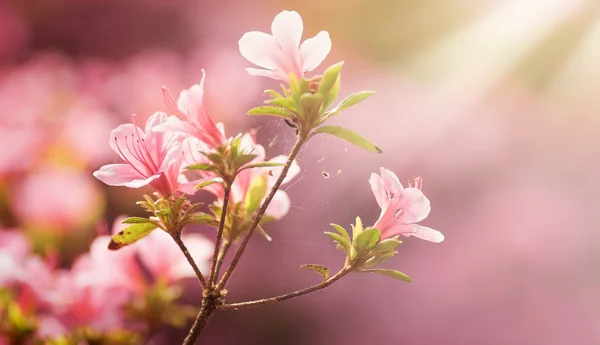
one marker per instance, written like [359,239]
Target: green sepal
[256,193]
[349,136]
[131,234]
[390,273]
[322,270]
[271,111]
[208,183]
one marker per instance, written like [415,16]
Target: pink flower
[192,117]
[279,53]
[95,291]
[152,157]
[401,208]
[36,204]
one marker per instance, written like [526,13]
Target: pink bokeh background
[494,103]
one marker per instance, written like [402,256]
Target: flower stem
[301,139]
[190,259]
[215,262]
[323,285]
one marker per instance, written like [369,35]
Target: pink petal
[427,234]
[279,206]
[315,50]
[261,49]
[414,204]
[391,183]
[265,73]
[155,120]
[287,29]
[122,175]
[194,96]
[377,187]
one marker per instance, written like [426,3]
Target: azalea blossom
[192,117]
[281,53]
[401,208]
[151,157]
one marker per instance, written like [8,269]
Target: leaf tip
[114,245]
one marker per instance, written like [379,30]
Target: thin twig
[213,267]
[301,139]
[190,259]
[323,285]
[222,252]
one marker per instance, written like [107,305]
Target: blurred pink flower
[192,116]
[14,249]
[152,157]
[96,289]
[57,199]
[401,208]
[281,53]
[83,133]
[171,265]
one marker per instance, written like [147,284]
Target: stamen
[171,104]
[398,213]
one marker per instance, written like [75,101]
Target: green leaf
[295,88]
[322,270]
[390,273]
[357,229]
[208,182]
[271,111]
[264,233]
[340,229]
[136,220]
[333,93]
[350,101]
[256,192]
[273,93]
[387,245]
[341,241]
[201,218]
[330,77]
[201,166]
[349,136]
[366,241]
[379,258]
[130,234]
[283,103]
[262,165]
[240,160]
